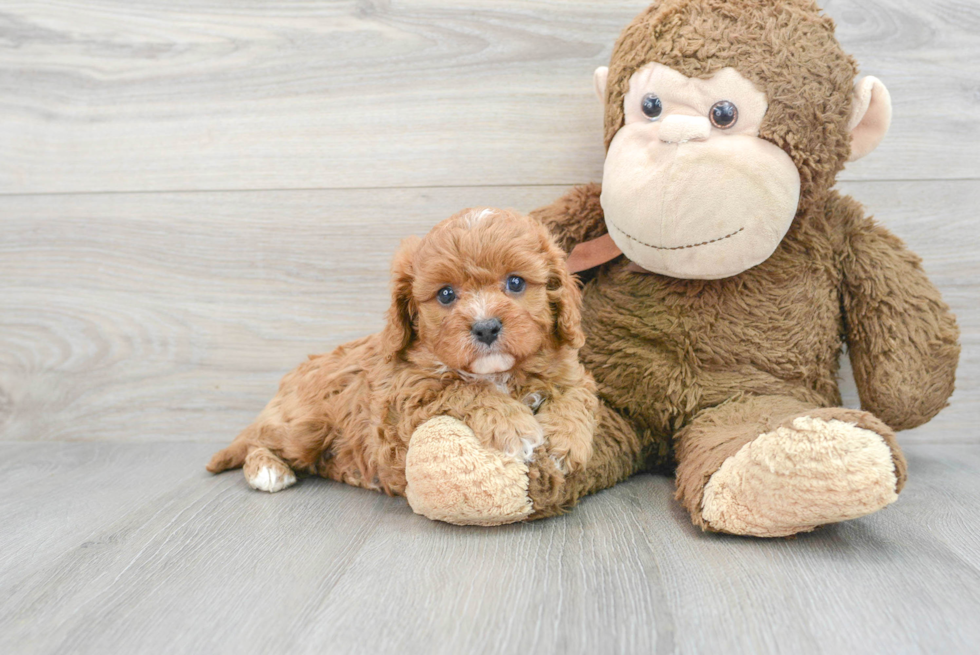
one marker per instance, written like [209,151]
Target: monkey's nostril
[487,331]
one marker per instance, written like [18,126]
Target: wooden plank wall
[196,194]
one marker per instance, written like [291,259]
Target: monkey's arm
[575,217]
[902,338]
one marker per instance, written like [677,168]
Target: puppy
[483,327]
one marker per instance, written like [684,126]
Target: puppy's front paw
[571,452]
[518,436]
[266,472]
[569,440]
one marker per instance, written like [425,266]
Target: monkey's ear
[871,114]
[400,329]
[599,79]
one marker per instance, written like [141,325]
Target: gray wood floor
[113,548]
[195,195]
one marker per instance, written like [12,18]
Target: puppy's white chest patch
[493,363]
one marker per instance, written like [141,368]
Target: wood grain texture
[117,95]
[189,563]
[172,316]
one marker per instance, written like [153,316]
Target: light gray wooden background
[196,194]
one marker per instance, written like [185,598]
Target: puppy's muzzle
[487,331]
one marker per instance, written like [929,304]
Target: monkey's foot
[452,477]
[808,472]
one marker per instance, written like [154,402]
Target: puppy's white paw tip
[527,449]
[529,444]
[271,480]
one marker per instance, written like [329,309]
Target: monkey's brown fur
[349,414]
[689,371]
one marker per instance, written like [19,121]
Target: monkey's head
[724,120]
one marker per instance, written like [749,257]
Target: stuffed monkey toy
[723,277]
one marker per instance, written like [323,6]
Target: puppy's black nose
[487,331]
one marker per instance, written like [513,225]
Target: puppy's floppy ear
[565,298]
[400,329]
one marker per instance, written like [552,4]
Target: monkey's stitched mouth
[691,245]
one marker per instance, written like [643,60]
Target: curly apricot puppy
[483,327]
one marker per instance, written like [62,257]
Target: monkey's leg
[772,466]
[453,477]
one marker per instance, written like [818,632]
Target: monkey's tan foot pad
[452,477]
[808,473]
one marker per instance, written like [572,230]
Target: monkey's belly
[660,354]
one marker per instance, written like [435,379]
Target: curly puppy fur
[349,415]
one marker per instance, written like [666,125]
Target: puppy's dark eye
[515,284]
[446,295]
[651,106]
[723,114]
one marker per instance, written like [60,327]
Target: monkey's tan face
[689,188]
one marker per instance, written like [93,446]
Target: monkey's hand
[902,338]
[575,217]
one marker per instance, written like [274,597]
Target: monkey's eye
[446,295]
[516,284]
[723,114]
[651,106]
